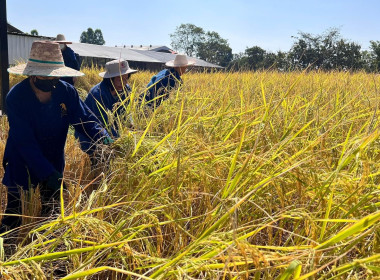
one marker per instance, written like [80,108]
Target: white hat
[61,39]
[116,68]
[180,61]
[45,60]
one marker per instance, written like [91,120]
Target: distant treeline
[327,51]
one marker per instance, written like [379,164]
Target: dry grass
[237,176]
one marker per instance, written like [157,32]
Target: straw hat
[115,68]
[45,60]
[180,61]
[61,39]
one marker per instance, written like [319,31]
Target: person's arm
[97,108]
[150,89]
[101,106]
[174,80]
[83,120]
[70,59]
[22,134]
[156,90]
[78,60]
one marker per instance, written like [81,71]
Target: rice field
[251,175]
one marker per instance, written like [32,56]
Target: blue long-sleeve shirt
[38,132]
[160,85]
[71,59]
[101,102]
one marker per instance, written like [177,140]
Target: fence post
[4,63]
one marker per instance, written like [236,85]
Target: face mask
[62,46]
[45,85]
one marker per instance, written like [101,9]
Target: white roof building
[140,57]
[20,43]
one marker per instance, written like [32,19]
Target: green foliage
[187,38]
[194,41]
[326,51]
[375,47]
[256,58]
[92,37]
[34,32]
[215,49]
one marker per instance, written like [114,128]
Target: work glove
[108,140]
[53,182]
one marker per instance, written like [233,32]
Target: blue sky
[269,24]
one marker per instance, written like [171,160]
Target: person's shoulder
[166,71]
[20,90]
[163,73]
[95,93]
[173,72]
[65,86]
[66,91]
[68,50]
[97,86]
[97,89]
[69,53]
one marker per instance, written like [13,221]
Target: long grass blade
[361,225]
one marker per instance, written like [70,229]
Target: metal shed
[155,48]
[19,44]
[151,58]
[137,58]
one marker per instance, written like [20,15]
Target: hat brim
[47,71]
[63,42]
[108,75]
[171,63]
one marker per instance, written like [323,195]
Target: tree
[346,55]
[306,52]
[326,51]
[239,62]
[375,51]
[194,41]
[34,32]
[270,61]
[187,38]
[92,37]
[255,57]
[215,49]
[282,61]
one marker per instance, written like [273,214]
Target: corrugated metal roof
[165,57]
[155,48]
[100,51]
[19,48]
[12,29]
[20,43]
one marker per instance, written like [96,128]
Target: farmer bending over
[40,110]
[70,58]
[110,96]
[160,85]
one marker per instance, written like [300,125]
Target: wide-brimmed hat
[180,61]
[115,68]
[45,60]
[61,39]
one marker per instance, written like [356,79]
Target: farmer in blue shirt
[108,97]
[160,85]
[70,58]
[40,110]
